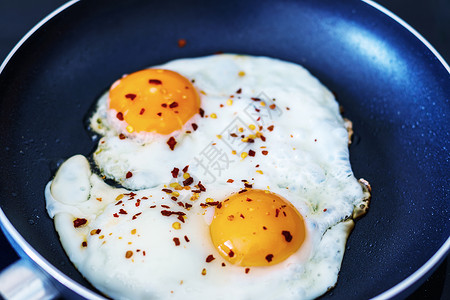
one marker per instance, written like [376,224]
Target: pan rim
[34,255]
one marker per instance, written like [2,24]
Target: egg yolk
[154,100]
[257,228]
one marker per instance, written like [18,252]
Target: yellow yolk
[257,228]
[154,100]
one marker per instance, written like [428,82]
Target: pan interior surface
[391,86]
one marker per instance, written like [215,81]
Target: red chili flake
[221,105]
[118,203]
[287,108]
[248,185]
[255,99]
[257,166]
[142,111]
[263,138]
[171,142]
[277,212]
[284,213]
[186,239]
[180,203]
[231,253]
[129,175]
[223,264]
[242,191]
[287,235]
[188,181]
[242,216]
[185,169]
[98,231]
[233,135]
[210,258]
[181,219]
[176,241]
[247,270]
[122,212]
[173,105]
[230,218]
[136,215]
[119,116]
[272,106]
[194,126]
[130,96]
[167,191]
[265,152]
[187,205]
[175,172]
[269,257]
[164,105]
[270,128]
[174,198]
[122,136]
[144,198]
[324,209]
[115,215]
[155,81]
[196,191]
[165,206]
[264,227]
[230,180]
[239,91]
[79,222]
[159,114]
[259,119]
[143,253]
[201,112]
[249,200]
[168,213]
[181,43]
[250,141]
[251,153]
[153,206]
[201,186]
[84,244]
[257,109]
[219,206]
[315,140]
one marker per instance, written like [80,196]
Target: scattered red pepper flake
[122,212]
[153,206]
[186,239]
[175,172]
[230,180]
[185,169]
[242,191]
[176,241]
[248,185]
[122,136]
[231,253]
[251,153]
[264,228]
[201,112]
[130,96]
[201,186]
[115,215]
[168,213]
[194,126]
[171,142]
[287,108]
[223,264]
[165,206]
[188,181]
[142,111]
[269,257]
[287,235]
[79,222]
[210,258]
[270,128]
[181,43]
[239,91]
[173,104]
[255,99]
[265,152]
[167,191]
[159,114]
[247,270]
[249,200]
[136,215]
[119,116]
[230,217]
[263,138]
[324,209]
[84,244]
[277,212]
[129,175]
[155,81]
[242,216]
[118,203]
[272,106]
[180,218]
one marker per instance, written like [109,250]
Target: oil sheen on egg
[236,184]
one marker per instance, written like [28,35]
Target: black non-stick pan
[393,86]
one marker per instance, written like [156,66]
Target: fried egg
[234,181]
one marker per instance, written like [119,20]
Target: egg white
[307,163]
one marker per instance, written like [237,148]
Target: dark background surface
[429,18]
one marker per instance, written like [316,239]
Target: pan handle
[25,281]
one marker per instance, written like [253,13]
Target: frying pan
[393,86]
